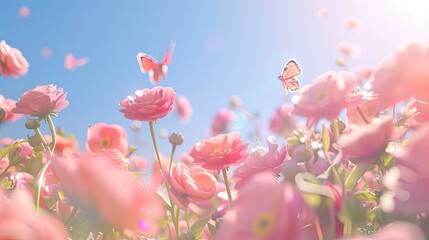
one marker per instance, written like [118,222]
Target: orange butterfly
[290,71]
[157,71]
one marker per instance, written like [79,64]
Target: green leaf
[198,226]
[6,150]
[351,211]
[212,229]
[366,195]
[326,141]
[386,159]
[6,183]
[355,175]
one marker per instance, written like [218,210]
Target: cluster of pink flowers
[361,177]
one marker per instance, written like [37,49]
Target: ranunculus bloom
[220,151]
[326,97]
[402,75]
[184,109]
[18,220]
[367,142]
[106,136]
[264,209]
[282,122]
[149,104]
[399,230]
[261,159]
[7,105]
[222,121]
[406,182]
[368,110]
[42,101]
[348,49]
[12,63]
[110,194]
[192,184]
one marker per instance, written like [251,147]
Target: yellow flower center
[105,142]
[263,225]
[321,96]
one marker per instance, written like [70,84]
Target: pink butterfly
[290,71]
[71,62]
[157,71]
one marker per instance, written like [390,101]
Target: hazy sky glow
[223,48]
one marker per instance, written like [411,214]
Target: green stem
[362,115]
[318,229]
[173,150]
[177,226]
[70,217]
[39,186]
[39,134]
[53,133]
[228,190]
[187,218]
[5,171]
[152,133]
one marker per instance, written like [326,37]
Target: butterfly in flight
[290,71]
[70,63]
[157,71]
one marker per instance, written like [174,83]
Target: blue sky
[223,48]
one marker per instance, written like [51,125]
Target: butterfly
[157,71]
[70,63]
[290,71]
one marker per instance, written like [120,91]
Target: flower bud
[32,123]
[2,114]
[176,138]
[35,141]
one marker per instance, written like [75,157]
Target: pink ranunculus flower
[368,109]
[149,104]
[220,151]
[399,230]
[12,63]
[366,143]
[192,184]
[109,194]
[21,153]
[42,101]
[7,105]
[282,122]
[222,121]
[264,209]
[349,49]
[18,219]
[405,183]
[184,109]
[326,97]
[106,136]
[402,75]
[353,23]
[260,160]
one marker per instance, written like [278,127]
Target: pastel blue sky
[223,48]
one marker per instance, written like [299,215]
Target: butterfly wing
[147,62]
[291,69]
[292,84]
[169,54]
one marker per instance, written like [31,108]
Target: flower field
[346,155]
